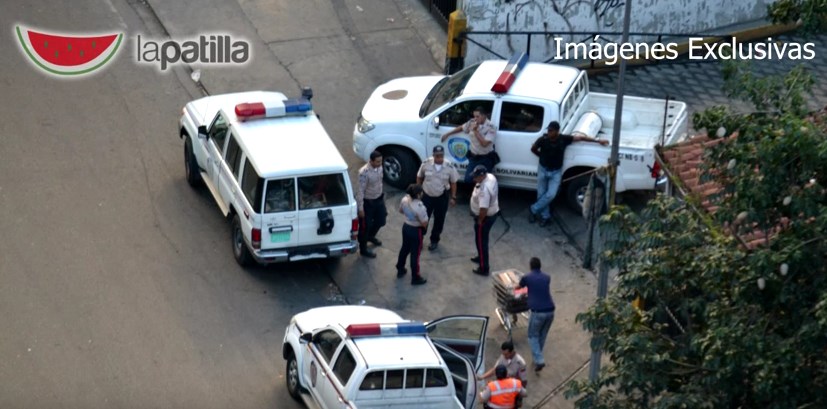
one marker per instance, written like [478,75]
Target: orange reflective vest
[504,393]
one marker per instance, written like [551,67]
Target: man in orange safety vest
[504,393]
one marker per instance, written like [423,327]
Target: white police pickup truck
[367,357]
[274,172]
[404,119]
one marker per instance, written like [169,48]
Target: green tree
[725,325]
[812,14]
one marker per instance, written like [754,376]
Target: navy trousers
[481,233]
[411,246]
[438,207]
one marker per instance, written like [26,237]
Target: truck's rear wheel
[240,252]
[191,164]
[292,377]
[576,193]
[399,166]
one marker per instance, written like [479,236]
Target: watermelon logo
[68,55]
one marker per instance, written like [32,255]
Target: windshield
[446,90]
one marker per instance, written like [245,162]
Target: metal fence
[441,9]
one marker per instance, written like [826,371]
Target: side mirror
[306,337]
[436,122]
[202,132]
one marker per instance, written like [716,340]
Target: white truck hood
[399,99]
[344,315]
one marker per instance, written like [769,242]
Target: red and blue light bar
[272,109]
[509,74]
[373,330]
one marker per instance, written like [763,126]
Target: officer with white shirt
[438,180]
[485,208]
[416,221]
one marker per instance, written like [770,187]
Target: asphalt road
[117,284]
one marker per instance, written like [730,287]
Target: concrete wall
[671,16]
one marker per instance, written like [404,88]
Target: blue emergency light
[402,328]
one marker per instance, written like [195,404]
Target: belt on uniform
[444,192]
[544,310]
[381,197]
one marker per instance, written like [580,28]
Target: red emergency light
[509,74]
[272,109]
[402,328]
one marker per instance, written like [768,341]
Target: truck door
[462,374]
[519,124]
[316,366]
[215,143]
[448,118]
[464,334]
[279,218]
[229,175]
[320,193]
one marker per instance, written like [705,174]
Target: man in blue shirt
[542,310]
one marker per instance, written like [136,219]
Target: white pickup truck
[356,356]
[406,117]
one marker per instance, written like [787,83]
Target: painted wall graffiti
[563,16]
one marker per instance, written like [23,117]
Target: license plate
[280,237]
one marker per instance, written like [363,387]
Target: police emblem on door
[458,148]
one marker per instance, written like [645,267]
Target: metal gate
[441,9]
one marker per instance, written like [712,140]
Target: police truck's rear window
[320,191]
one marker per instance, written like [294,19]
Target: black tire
[291,377]
[399,166]
[191,164]
[576,192]
[240,252]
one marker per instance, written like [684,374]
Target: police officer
[485,208]
[416,221]
[438,179]
[482,134]
[504,393]
[370,200]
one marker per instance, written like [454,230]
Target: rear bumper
[329,250]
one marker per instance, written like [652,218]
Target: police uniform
[485,195]
[437,182]
[478,154]
[371,200]
[412,232]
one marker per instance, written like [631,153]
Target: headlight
[363,125]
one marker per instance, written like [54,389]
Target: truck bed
[642,125]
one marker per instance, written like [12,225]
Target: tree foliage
[811,14]
[724,325]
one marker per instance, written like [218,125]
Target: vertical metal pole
[603,275]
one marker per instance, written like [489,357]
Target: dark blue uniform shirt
[539,291]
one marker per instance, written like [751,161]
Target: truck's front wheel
[292,377]
[191,165]
[576,193]
[399,166]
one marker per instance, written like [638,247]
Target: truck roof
[274,145]
[397,351]
[535,80]
[288,143]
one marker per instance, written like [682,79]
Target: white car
[406,117]
[366,357]
[274,173]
